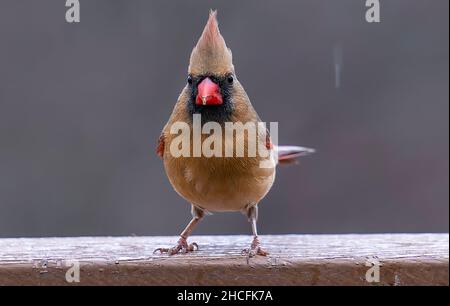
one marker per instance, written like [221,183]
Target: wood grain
[406,259]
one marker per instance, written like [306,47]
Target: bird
[218,183]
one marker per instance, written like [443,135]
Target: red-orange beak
[208,93]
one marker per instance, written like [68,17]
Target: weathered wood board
[404,259]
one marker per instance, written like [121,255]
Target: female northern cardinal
[217,183]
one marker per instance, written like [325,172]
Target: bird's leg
[255,247]
[182,245]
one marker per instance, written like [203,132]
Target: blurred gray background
[82,106]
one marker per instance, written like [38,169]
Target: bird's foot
[181,246]
[255,249]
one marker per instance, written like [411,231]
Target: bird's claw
[182,246]
[254,250]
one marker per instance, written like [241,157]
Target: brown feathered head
[211,55]
[211,70]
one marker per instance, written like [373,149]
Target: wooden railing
[387,259]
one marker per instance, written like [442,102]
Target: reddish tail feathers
[289,154]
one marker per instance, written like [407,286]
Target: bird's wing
[269,144]
[160,146]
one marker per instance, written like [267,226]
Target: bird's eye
[189,80]
[230,79]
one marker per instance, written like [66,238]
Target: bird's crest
[211,55]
